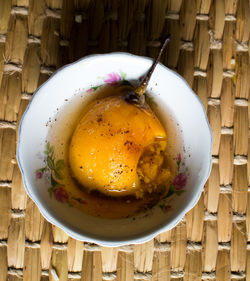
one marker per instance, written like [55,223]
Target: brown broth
[97,204]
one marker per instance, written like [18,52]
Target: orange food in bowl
[119,149]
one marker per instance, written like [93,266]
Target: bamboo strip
[125,19]
[16,242]
[174,6]
[201,45]
[31,68]
[5,207]
[46,245]
[59,265]
[203,6]
[231,6]
[78,46]
[248,217]
[213,189]
[225,217]
[194,221]
[219,19]
[223,266]
[5,7]
[2,50]
[10,96]
[186,66]
[210,242]
[125,266]
[178,247]
[54,4]
[229,45]
[143,256]
[32,264]
[227,102]
[155,19]
[74,254]
[137,38]
[215,74]
[50,41]
[36,16]
[67,19]
[193,269]
[63,56]
[243,21]
[164,237]
[59,235]
[96,19]
[248,163]
[3,262]
[23,105]
[7,153]
[43,78]
[161,266]
[92,266]
[33,222]
[226,158]
[240,186]
[109,31]
[241,130]
[109,259]
[171,56]
[200,88]
[22,3]
[214,118]
[188,19]
[248,266]
[242,75]
[81,5]
[238,247]
[18,194]
[152,50]
[17,38]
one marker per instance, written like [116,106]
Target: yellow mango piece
[110,140]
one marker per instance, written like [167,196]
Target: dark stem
[142,87]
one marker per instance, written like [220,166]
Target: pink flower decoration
[180,181]
[90,90]
[47,174]
[112,78]
[141,78]
[179,157]
[168,208]
[61,195]
[39,174]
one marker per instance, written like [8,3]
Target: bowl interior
[175,101]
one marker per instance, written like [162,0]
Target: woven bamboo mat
[210,49]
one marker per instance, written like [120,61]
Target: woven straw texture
[210,49]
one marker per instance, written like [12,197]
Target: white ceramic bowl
[176,101]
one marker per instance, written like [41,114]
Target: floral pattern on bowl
[53,170]
[178,185]
[111,79]
[115,78]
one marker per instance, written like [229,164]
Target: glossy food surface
[118,148]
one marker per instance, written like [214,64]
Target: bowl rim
[108,242]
